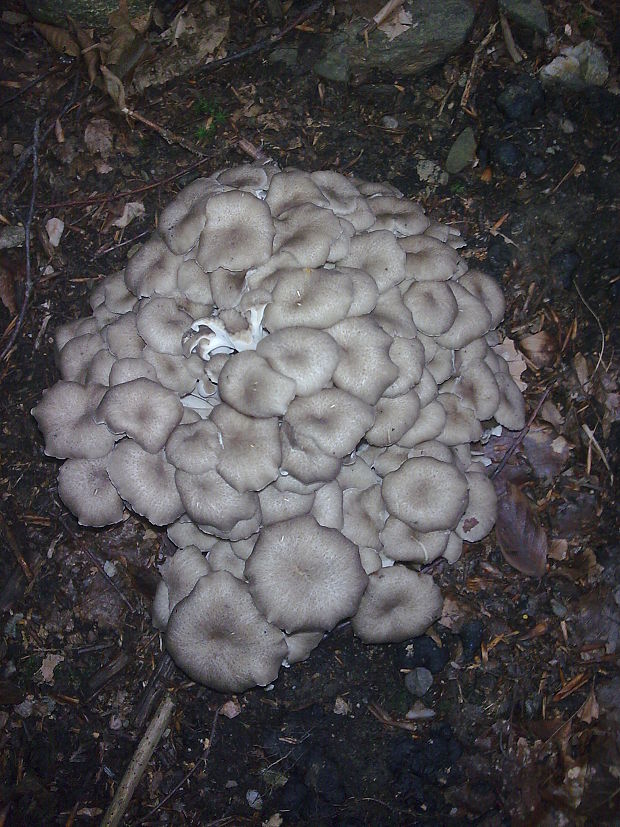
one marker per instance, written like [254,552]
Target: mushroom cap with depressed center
[182,221]
[429,260]
[145,481]
[153,269]
[428,425]
[394,418]
[379,255]
[481,512]
[65,418]
[307,233]
[398,604]
[404,544]
[292,188]
[277,505]
[461,424]
[487,289]
[307,356]
[364,369]
[194,447]
[472,320]
[427,494]
[408,356]
[332,419]
[302,458]
[210,500]
[238,233]
[305,577]
[511,409]
[85,488]
[251,386]
[476,387]
[250,449]
[432,306]
[143,410]
[177,373]
[162,324]
[217,636]
[308,298]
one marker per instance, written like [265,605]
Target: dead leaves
[521,538]
[540,348]
[59,39]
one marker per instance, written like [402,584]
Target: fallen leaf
[558,549]
[580,363]
[98,137]
[515,361]
[58,38]
[540,348]
[131,210]
[7,289]
[590,710]
[114,87]
[551,414]
[45,674]
[521,538]
[231,708]
[547,452]
[55,228]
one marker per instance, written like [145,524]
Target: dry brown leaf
[520,536]
[98,137]
[516,364]
[89,53]
[131,210]
[558,549]
[547,452]
[540,348]
[7,289]
[58,39]
[114,87]
[590,710]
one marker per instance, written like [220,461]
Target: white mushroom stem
[213,337]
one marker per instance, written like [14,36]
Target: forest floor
[521,723]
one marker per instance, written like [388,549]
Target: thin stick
[201,762]
[474,64]
[600,327]
[266,43]
[381,16]
[521,435]
[139,763]
[169,137]
[513,51]
[29,285]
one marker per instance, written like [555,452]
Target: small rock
[577,67]
[462,152]
[419,681]
[509,157]
[567,126]
[471,638]
[389,122]
[284,54]
[254,799]
[423,651]
[519,100]
[528,13]
[11,236]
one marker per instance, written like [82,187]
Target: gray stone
[284,54]
[528,13]
[577,67]
[418,681]
[12,236]
[462,152]
[437,30]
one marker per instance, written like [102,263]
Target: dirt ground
[521,724]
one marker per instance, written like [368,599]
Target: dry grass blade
[520,536]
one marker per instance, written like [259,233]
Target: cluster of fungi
[289,375]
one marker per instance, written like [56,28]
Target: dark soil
[525,700]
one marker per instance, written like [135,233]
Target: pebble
[423,651]
[254,799]
[471,638]
[519,100]
[388,122]
[419,681]
[462,152]
[509,157]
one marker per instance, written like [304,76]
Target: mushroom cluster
[289,375]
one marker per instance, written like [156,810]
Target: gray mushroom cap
[318,573]
[427,494]
[217,636]
[250,449]
[85,488]
[249,385]
[398,604]
[307,356]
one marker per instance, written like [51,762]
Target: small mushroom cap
[222,558]
[183,532]
[403,543]
[364,516]
[307,233]
[332,419]
[238,233]
[211,501]
[476,387]
[393,316]
[307,356]
[399,215]
[394,418]
[305,577]
[125,370]
[251,386]
[490,293]
[153,269]
[143,410]
[428,425]
[217,636]
[327,506]
[75,357]
[85,488]
[100,367]
[180,573]
[65,418]
[379,255]
[454,549]
[182,221]
[145,481]
[301,646]
[123,338]
[481,512]
[162,324]
[277,505]
[427,494]
[472,320]
[408,356]
[461,423]
[250,455]
[303,460]
[308,298]
[194,447]
[432,306]
[365,369]
[292,188]
[511,410]
[398,604]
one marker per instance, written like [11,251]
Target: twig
[474,64]
[201,762]
[29,285]
[521,435]
[138,763]
[266,43]
[169,137]
[600,326]
[381,16]
[155,686]
[513,51]
[253,151]
[51,71]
